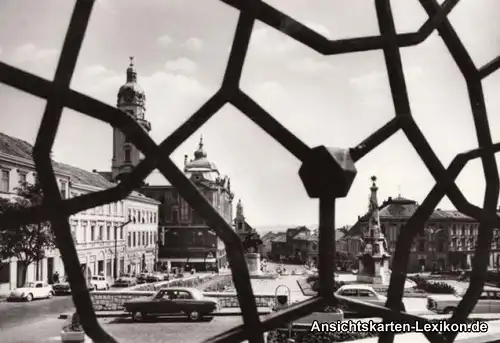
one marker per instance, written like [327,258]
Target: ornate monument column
[374,258]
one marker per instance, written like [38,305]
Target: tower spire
[131,73]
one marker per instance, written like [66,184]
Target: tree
[252,242]
[27,243]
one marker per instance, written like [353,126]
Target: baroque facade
[185,239]
[99,233]
[447,240]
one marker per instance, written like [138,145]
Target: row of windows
[5,181]
[141,216]
[144,238]
[96,234]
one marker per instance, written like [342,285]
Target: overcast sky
[181,49]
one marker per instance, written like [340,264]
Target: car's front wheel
[29,297]
[194,316]
[138,316]
[50,295]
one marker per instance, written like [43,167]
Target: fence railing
[327,173]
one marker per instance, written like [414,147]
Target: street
[17,313]
[48,330]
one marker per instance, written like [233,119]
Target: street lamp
[115,269]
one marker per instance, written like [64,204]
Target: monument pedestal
[253,263]
[378,274]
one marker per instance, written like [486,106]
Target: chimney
[390,199]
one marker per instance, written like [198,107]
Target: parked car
[32,290]
[99,282]
[363,293]
[154,277]
[63,287]
[172,301]
[488,302]
[125,282]
[141,278]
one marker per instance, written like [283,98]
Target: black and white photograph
[262,171]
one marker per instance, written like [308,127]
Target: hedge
[192,282]
[436,287]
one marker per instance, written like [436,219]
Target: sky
[181,50]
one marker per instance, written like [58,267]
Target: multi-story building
[446,241]
[296,244]
[99,233]
[185,239]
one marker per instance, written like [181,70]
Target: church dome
[200,163]
[131,93]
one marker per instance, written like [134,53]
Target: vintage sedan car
[63,287]
[32,290]
[125,282]
[363,293]
[141,278]
[154,277]
[99,282]
[171,302]
[488,302]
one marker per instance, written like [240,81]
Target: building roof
[403,208]
[280,237]
[83,176]
[200,163]
[18,148]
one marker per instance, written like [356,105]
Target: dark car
[63,288]
[154,277]
[125,282]
[171,302]
[141,278]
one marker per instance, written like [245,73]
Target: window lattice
[318,181]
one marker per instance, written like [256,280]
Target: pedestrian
[55,277]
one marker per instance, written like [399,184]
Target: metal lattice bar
[319,184]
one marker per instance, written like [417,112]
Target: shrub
[437,287]
[440,288]
[220,286]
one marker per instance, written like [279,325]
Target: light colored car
[32,290]
[99,282]
[363,293]
[488,302]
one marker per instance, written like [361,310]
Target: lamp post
[115,269]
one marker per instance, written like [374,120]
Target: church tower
[132,100]
[239,221]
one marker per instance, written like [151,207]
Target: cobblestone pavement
[18,313]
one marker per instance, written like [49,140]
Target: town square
[276,171]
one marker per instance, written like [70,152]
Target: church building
[184,238]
